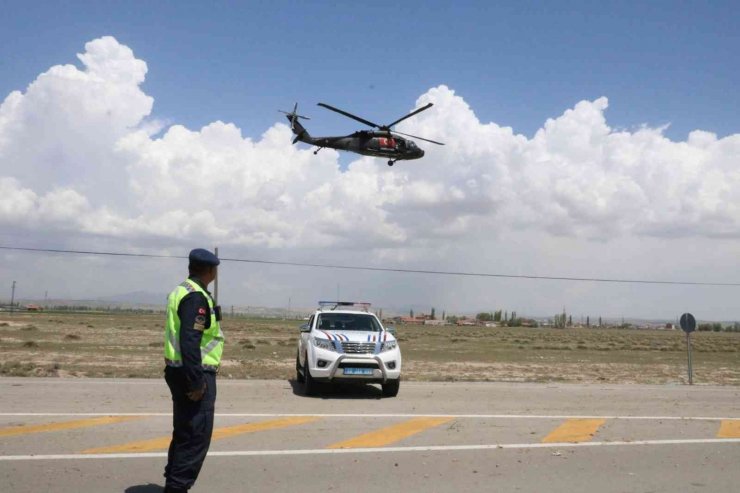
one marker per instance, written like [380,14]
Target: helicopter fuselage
[377,144]
[380,142]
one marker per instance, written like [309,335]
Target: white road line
[431,448]
[394,415]
[424,384]
[84,381]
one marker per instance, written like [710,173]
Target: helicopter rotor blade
[350,115]
[415,112]
[292,114]
[420,138]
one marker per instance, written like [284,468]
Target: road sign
[688,323]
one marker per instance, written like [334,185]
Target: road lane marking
[64,425]
[392,434]
[231,431]
[430,448]
[394,415]
[730,428]
[575,431]
[162,443]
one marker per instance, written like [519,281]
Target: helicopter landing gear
[317,151]
[391,162]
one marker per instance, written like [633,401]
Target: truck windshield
[348,321]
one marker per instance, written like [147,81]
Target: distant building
[412,321]
[434,322]
[33,308]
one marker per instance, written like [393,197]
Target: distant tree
[497,316]
[599,321]
[707,327]
[411,313]
[570,320]
[444,315]
[484,317]
[433,317]
[514,321]
[452,319]
[588,321]
[506,316]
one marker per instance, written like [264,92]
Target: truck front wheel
[309,384]
[300,372]
[390,388]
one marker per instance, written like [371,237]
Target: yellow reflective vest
[212,342]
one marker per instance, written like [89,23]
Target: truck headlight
[324,344]
[388,345]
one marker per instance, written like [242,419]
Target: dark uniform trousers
[192,423]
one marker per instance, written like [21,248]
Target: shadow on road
[339,391]
[144,488]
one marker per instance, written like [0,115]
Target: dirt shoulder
[130,345]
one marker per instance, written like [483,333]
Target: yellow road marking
[392,434]
[162,443]
[65,425]
[730,428]
[574,430]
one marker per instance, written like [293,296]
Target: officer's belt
[178,364]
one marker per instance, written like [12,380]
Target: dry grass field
[130,345]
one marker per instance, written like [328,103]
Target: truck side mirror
[391,330]
[305,328]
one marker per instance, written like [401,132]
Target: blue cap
[203,256]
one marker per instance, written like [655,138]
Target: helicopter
[380,142]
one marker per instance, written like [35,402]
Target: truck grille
[358,347]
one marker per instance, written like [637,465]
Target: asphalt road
[85,436]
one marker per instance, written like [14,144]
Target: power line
[382,269]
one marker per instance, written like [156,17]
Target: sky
[582,141]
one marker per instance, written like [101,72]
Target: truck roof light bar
[333,305]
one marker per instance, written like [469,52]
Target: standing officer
[192,350]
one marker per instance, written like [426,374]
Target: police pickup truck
[343,342]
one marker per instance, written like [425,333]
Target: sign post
[688,325]
[12,299]
[215,282]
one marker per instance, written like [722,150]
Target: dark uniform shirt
[195,317]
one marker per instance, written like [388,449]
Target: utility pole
[215,282]
[12,299]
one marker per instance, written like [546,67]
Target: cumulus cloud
[62,131]
[577,176]
[78,152]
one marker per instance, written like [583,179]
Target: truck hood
[357,336]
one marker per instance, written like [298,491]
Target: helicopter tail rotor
[293,116]
[301,134]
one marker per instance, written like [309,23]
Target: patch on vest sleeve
[200,323]
[188,286]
